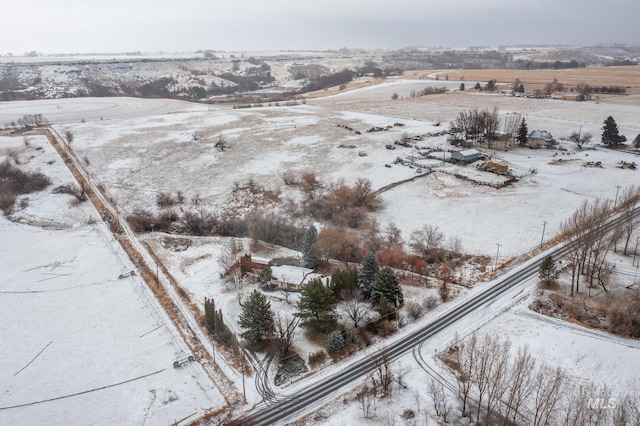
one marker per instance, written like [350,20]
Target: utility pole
[397,314]
[497,251]
[615,202]
[580,133]
[635,252]
[544,225]
[244,393]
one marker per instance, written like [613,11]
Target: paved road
[306,399]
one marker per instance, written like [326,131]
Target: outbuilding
[466,156]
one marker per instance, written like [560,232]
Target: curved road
[302,402]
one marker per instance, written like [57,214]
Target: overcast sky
[85,26]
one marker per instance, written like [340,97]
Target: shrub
[430,302]
[164,199]
[444,293]
[14,182]
[291,367]
[335,342]
[317,358]
[72,189]
[200,223]
[414,310]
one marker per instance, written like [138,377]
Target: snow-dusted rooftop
[293,274]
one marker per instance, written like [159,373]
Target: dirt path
[159,284]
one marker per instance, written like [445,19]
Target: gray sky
[83,26]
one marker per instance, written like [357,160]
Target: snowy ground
[142,147]
[136,158]
[80,345]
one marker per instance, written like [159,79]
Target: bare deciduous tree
[549,385]
[520,385]
[498,380]
[354,307]
[227,259]
[285,332]
[629,201]
[368,400]
[392,237]
[381,376]
[440,400]
[426,240]
[466,358]
[511,124]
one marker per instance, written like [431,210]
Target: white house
[292,277]
[539,138]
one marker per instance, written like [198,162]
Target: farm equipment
[181,361]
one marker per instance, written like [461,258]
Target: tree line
[495,388]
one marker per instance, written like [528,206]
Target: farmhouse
[292,277]
[539,138]
[466,156]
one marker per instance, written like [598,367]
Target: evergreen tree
[523,133]
[384,309]
[386,284]
[521,88]
[367,273]
[265,275]
[210,315]
[478,87]
[462,87]
[344,280]
[636,141]
[610,132]
[256,317]
[316,307]
[308,252]
[216,326]
[335,342]
[548,272]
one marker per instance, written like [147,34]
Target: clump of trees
[609,90]
[28,122]
[429,91]
[478,125]
[15,182]
[216,326]
[520,390]
[589,238]
[324,81]
[337,202]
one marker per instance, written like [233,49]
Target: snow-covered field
[79,345]
[138,157]
[60,292]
